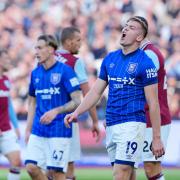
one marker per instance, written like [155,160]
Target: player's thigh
[57,153]
[75,144]
[125,142]
[147,151]
[35,152]
[9,142]
[14,158]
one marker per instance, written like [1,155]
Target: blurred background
[100,22]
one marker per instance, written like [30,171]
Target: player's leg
[75,154]
[124,145]
[35,158]
[152,166]
[57,154]
[35,172]
[153,170]
[11,149]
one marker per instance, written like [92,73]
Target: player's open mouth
[123,35]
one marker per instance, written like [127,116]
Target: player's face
[131,33]
[42,51]
[75,43]
[4,62]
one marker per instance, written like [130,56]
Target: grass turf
[100,174]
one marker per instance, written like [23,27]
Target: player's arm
[68,107]
[92,111]
[13,118]
[89,101]
[151,93]
[31,113]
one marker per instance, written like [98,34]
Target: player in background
[8,139]
[132,80]
[152,166]
[53,92]
[71,43]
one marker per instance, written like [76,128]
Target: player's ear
[140,37]
[51,49]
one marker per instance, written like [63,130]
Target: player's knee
[32,169]
[122,172]
[15,161]
[152,168]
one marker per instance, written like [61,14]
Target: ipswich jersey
[157,58]
[75,63]
[4,104]
[52,88]
[127,75]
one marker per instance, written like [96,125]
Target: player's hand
[48,117]
[157,148]
[96,131]
[70,118]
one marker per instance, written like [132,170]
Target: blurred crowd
[100,22]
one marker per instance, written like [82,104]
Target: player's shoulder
[112,54]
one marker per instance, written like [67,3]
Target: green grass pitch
[100,174]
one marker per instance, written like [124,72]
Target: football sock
[157,177]
[71,178]
[14,174]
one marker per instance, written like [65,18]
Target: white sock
[13,176]
[161,178]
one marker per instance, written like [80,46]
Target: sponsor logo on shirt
[52,90]
[74,82]
[151,73]
[132,67]
[55,78]
[124,80]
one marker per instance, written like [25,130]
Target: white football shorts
[124,142]
[48,153]
[147,153]
[9,142]
[75,147]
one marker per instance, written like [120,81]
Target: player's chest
[125,73]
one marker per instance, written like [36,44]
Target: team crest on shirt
[7,84]
[55,78]
[131,67]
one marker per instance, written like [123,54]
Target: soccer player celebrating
[71,42]
[8,139]
[132,80]
[53,91]
[152,165]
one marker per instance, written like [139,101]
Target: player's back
[153,52]
[4,96]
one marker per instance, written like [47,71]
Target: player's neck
[49,63]
[128,49]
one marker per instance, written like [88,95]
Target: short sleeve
[70,80]
[31,86]
[148,72]
[80,71]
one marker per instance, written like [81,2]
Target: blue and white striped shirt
[127,75]
[52,88]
